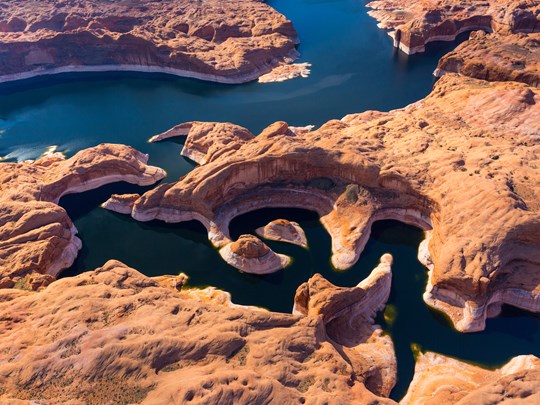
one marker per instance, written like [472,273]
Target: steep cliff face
[37,238]
[230,42]
[413,24]
[114,334]
[496,58]
[432,164]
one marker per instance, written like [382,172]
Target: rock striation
[114,334]
[251,255]
[37,238]
[207,140]
[227,42]
[282,230]
[414,24]
[442,380]
[121,203]
[495,58]
[345,313]
[431,164]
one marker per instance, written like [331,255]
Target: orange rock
[283,231]
[121,203]
[250,247]
[440,380]
[413,24]
[442,163]
[114,334]
[37,238]
[228,42]
[496,58]
[252,255]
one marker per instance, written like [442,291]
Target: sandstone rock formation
[37,238]
[121,203]
[496,58]
[413,24]
[463,162]
[341,308]
[252,255]
[283,230]
[115,335]
[442,380]
[228,42]
[207,140]
[173,282]
[286,72]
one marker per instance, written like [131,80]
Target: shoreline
[435,38]
[188,74]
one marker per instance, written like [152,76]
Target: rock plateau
[443,380]
[115,335]
[495,58]
[228,42]
[463,164]
[412,24]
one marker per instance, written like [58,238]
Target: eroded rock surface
[229,42]
[37,238]
[442,380]
[116,335]
[470,144]
[121,203]
[282,230]
[252,255]
[496,58]
[413,24]
[207,140]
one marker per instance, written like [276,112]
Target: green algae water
[354,68]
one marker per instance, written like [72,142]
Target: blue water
[354,68]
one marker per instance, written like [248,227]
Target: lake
[355,68]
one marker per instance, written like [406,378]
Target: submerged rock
[286,72]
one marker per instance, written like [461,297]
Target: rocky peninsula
[37,238]
[414,24]
[429,164]
[227,42]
